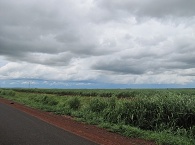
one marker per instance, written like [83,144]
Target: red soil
[90,132]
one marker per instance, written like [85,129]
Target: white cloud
[118,41]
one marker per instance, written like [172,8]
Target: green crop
[154,114]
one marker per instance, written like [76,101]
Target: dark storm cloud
[120,66]
[150,8]
[84,39]
[186,60]
[48,27]
[183,55]
[22,27]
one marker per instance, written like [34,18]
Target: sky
[97,43]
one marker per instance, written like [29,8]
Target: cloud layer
[125,42]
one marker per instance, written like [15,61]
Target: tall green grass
[149,114]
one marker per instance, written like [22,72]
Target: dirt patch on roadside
[90,132]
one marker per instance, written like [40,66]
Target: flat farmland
[166,116]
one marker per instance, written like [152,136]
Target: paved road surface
[19,128]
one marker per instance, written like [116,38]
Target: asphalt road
[19,128]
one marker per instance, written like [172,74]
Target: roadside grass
[167,119]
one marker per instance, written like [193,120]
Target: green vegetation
[166,116]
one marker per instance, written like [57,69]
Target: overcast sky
[89,42]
